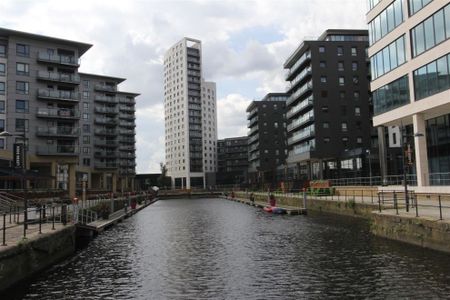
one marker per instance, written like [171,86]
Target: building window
[2,107]
[416,5]
[86,162]
[341,80]
[22,50]
[22,69]
[2,69]
[340,66]
[354,51]
[86,139]
[323,79]
[86,106]
[321,49]
[356,95]
[85,116]
[86,150]
[355,80]
[2,143]
[2,50]
[325,109]
[342,95]
[2,125]
[389,58]
[326,140]
[21,125]
[86,84]
[340,51]
[22,106]
[386,21]
[354,66]
[2,88]
[432,78]
[22,87]
[326,125]
[323,64]
[357,111]
[85,95]
[431,32]
[359,140]
[390,96]
[86,128]
[344,127]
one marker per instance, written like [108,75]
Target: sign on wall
[19,156]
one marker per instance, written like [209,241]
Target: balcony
[125,164]
[127,108]
[299,78]
[252,113]
[65,60]
[105,88]
[129,101]
[125,116]
[127,148]
[127,124]
[306,118]
[60,131]
[308,102]
[301,135]
[253,139]
[253,147]
[299,93]
[58,150]
[304,58]
[127,155]
[195,134]
[106,110]
[58,113]
[106,132]
[106,154]
[105,121]
[252,121]
[127,132]
[127,140]
[70,96]
[126,172]
[107,99]
[302,148]
[105,165]
[253,130]
[253,156]
[58,77]
[105,143]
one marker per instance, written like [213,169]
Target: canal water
[218,249]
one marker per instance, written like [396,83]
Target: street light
[370,166]
[406,148]
[24,168]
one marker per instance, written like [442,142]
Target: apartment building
[409,52]
[232,161]
[266,138]
[48,106]
[190,117]
[328,110]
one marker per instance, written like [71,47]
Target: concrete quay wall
[30,256]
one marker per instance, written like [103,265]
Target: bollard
[4,230]
[379,202]
[395,202]
[304,198]
[53,217]
[417,206]
[24,225]
[10,210]
[40,220]
[440,208]
[345,195]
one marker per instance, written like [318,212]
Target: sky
[244,46]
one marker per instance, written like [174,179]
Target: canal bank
[40,250]
[426,230]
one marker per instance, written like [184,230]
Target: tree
[162,179]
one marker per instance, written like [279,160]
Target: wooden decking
[290,210]
[114,218]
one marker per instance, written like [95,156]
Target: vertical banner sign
[18,154]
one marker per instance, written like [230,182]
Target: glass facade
[431,32]
[386,21]
[389,58]
[372,3]
[416,5]
[438,144]
[390,96]
[432,78]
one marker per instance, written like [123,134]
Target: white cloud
[130,38]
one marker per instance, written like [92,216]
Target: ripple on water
[215,249]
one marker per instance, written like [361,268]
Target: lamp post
[20,161]
[406,155]
[370,166]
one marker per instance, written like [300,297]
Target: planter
[133,205]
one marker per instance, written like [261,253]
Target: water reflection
[216,249]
